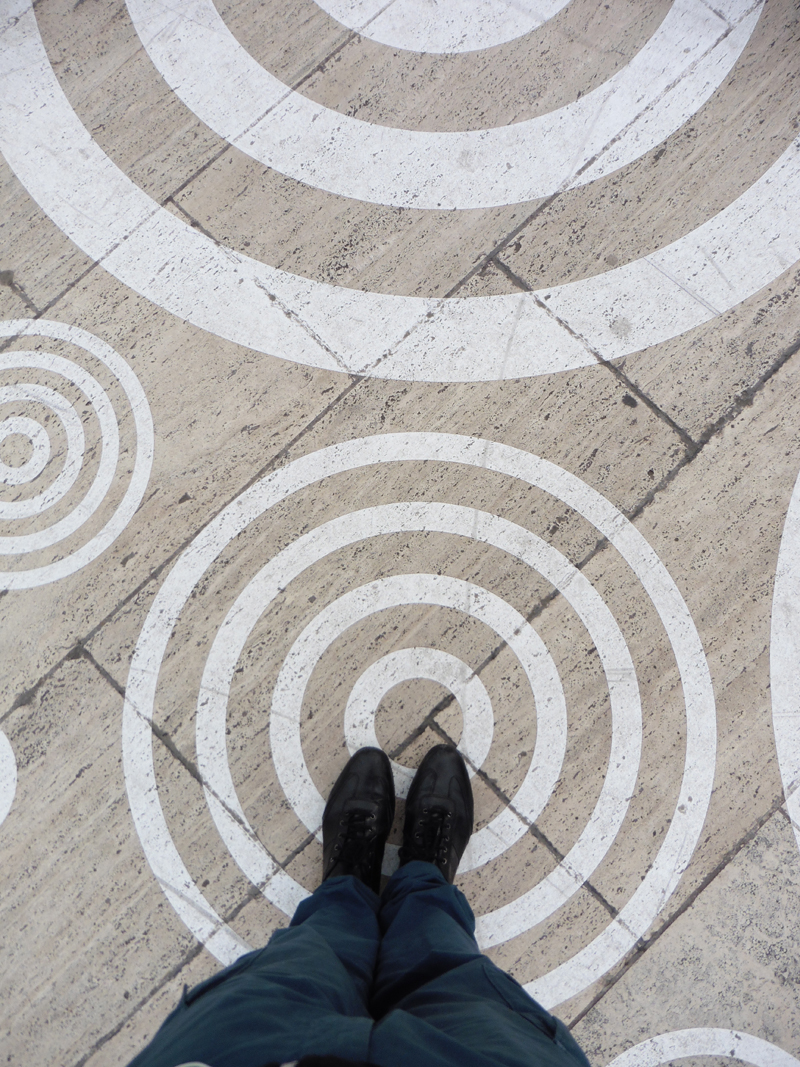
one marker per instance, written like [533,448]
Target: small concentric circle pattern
[38,504]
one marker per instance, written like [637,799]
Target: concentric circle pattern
[232,653]
[625,309]
[52,495]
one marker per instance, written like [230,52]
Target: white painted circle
[784,657]
[40,449]
[685,825]
[652,96]
[704,1041]
[75,447]
[73,432]
[8,776]
[432,665]
[442,26]
[681,286]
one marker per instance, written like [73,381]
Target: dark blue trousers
[396,980]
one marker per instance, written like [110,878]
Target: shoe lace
[431,839]
[356,830]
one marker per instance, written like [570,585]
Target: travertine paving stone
[694,442]
[42,262]
[736,938]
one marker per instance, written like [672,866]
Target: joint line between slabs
[685,438]
[193,222]
[512,276]
[501,245]
[294,317]
[81,652]
[533,829]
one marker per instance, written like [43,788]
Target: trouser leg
[427,929]
[437,998]
[305,993]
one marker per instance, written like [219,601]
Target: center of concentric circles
[433,665]
[37,447]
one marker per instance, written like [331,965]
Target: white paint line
[74,561]
[630,308]
[704,1041]
[37,439]
[36,434]
[687,821]
[438,27]
[8,776]
[784,660]
[663,85]
[432,665]
[109,450]
[73,432]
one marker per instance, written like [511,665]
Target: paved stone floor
[402,373]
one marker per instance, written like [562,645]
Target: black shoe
[358,817]
[439,812]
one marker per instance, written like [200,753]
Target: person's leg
[420,896]
[435,994]
[306,993]
[427,929]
